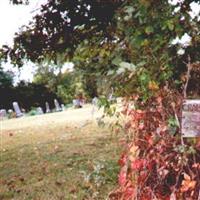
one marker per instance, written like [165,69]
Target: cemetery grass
[60,162]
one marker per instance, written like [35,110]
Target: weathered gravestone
[47,107]
[77,103]
[62,107]
[74,102]
[17,109]
[40,111]
[3,113]
[190,123]
[58,108]
[95,104]
[10,113]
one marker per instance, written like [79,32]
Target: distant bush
[32,112]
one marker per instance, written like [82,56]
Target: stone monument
[17,109]
[40,111]
[190,122]
[58,108]
[62,107]
[47,107]
[3,113]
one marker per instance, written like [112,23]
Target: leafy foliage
[59,27]
[156,163]
[6,78]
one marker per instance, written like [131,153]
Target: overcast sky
[12,17]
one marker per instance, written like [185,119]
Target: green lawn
[75,163]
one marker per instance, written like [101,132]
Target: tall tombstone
[17,109]
[58,108]
[40,111]
[94,105]
[47,107]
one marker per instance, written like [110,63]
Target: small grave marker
[190,123]
[63,107]
[3,113]
[40,111]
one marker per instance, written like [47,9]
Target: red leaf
[122,160]
[138,164]
[123,176]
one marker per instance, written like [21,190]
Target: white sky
[13,17]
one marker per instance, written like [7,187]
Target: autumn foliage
[157,162]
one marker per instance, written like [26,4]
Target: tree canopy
[129,43]
[108,36]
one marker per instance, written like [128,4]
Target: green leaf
[129,9]
[149,29]
[128,66]
[141,64]
[170,25]
[116,61]
[137,41]
[121,71]
[110,72]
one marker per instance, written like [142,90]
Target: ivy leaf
[187,183]
[141,64]
[116,61]
[129,9]
[128,66]
[170,25]
[123,176]
[138,40]
[149,30]
[121,71]
[110,72]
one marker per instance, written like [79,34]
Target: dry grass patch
[59,161]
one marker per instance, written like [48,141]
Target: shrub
[158,163]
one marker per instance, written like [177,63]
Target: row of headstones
[19,113]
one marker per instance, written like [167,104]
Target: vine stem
[189,67]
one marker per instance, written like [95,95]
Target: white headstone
[40,111]
[47,107]
[95,101]
[62,107]
[74,102]
[58,108]
[190,123]
[3,113]
[17,109]
[77,103]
